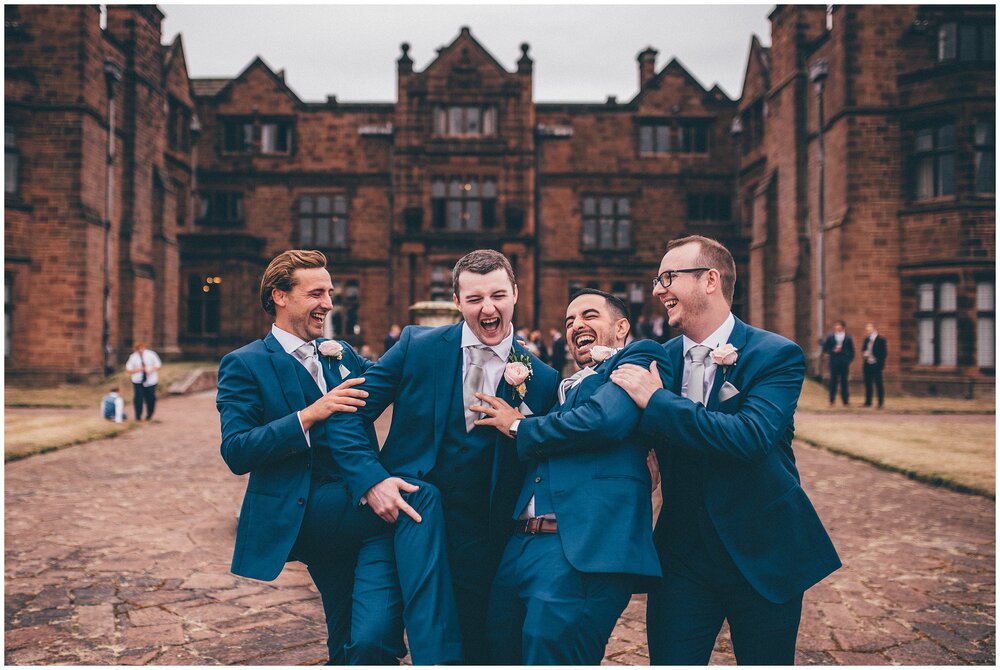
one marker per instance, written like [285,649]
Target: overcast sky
[581,52]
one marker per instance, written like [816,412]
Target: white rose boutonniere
[518,373]
[725,356]
[600,353]
[331,349]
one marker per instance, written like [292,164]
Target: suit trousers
[143,395]
[350,554]
[873,377]
[684,615]
[543,611]
[838,375]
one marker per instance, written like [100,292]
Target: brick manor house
[853,178]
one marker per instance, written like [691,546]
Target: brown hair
[278,274]
[714,255]
[482,262]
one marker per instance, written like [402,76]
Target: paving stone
[117,553]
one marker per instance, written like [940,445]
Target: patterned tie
[307,354]
[474,383]
[696,378]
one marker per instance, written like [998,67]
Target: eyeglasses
[666,278]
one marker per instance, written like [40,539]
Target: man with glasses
[737,537]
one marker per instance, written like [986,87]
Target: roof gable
[175,78]
[256,75]
[464,59]
[757,76]
[674,86]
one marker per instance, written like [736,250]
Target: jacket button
[538,480]
[302,501]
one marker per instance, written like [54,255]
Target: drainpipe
[112,75]
[817,75]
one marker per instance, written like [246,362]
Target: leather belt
[537,525]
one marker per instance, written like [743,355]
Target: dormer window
[676,136]
[465,120]
[266,137]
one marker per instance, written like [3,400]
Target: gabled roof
[758,64]
[674,66]
[465,38]
[173,57]
[207,87]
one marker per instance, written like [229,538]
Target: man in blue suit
[275,409]
[584,540]
[431,376]
[737,536]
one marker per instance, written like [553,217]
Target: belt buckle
[534,526]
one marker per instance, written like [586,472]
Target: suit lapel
[677,356]
[737,338]
[331,368]
[447,373]
[288,377]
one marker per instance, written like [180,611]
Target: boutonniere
[518,373]
[600,353]
[331,349]
[725,356]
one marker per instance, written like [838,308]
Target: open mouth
[584,341]
[490,326]
[317,318]
[670,304]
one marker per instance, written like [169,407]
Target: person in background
[873,353]
[113,406]
[541,351]
[392,337]
[366,353]
[144,366]
[558,358]
[840,348]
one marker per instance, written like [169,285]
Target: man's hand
[638,382]
[498,413]
[343,398]
[385,500]
[654,468]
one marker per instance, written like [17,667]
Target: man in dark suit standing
[584,538]
[431,377]
[737,536]
[558,357]
[840,348]
[391,338]
[275,408]
[873,353]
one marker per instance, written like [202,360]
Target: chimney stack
[647,66]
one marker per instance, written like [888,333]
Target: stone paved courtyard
[117,552]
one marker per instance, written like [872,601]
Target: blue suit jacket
[419,374]
[261,387]
[752,492]
[599,480]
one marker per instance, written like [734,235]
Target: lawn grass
[36,431]
[87,396]
[815,397]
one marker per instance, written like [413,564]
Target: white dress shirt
[290,343]
[494,367]
[148,359]
[713,341]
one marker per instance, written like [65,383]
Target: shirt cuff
[304,431]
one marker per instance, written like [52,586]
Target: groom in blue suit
[584,540]
[430,377]
[737,537]
[275,406]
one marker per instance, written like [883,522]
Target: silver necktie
[474,383]
[696,378]
[307,354]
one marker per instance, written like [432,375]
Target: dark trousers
[838,375]
[684,615]
[542,611]
[873,377]
[143,394]
[351,556]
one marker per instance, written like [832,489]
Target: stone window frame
[310,213]
[204,305]
[935,148]
[230,202]
[253,136]
[937,322]
[464,204]
[447,116]
[668,136]
[709,207]
[966,42]
[605,224]
[984,165]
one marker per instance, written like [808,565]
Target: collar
[502,350]
[287,341]
[716,339]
